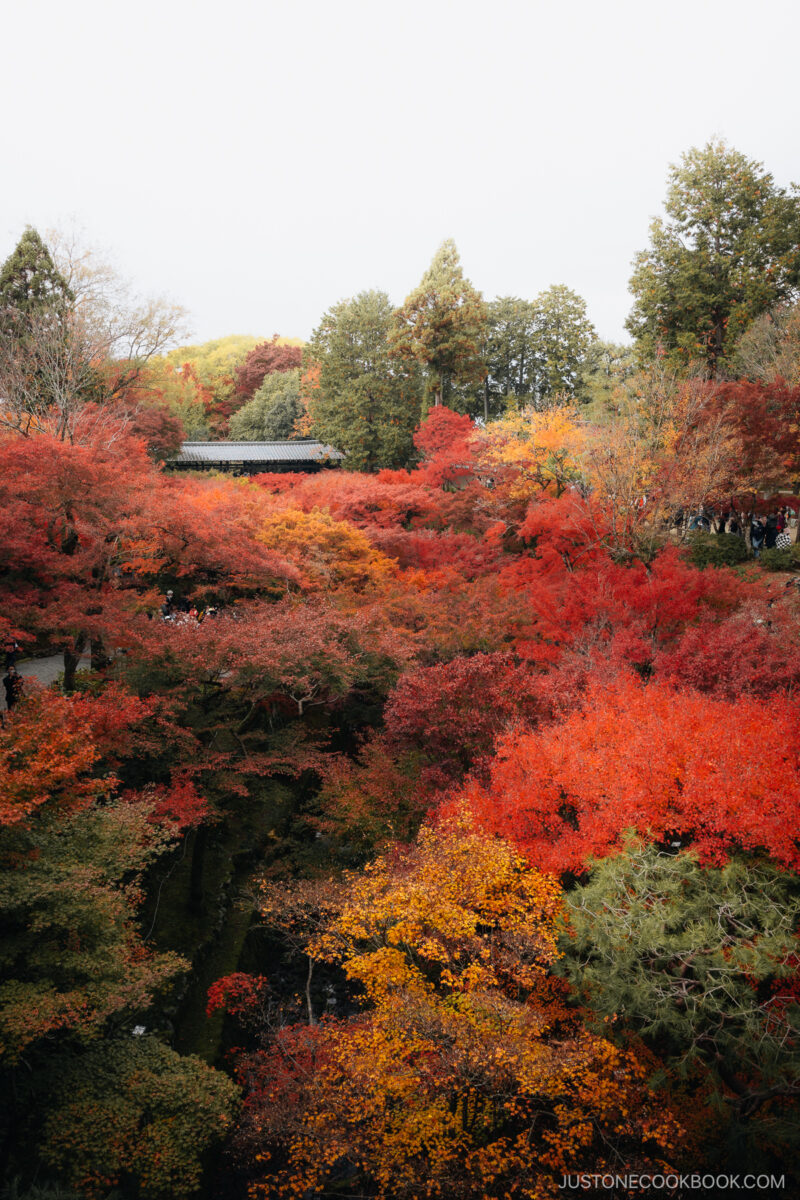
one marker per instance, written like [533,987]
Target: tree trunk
[196,874]
[71,660]
[716,343]
[309,1005]
[99,656]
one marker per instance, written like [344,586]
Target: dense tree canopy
[424,827]
[728,251]
[463,1073]
[769,349]
[702,962]
[364,403]
[209,370]
[72,338]
[508,352]
[563,338]
[535,352]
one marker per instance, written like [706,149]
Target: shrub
[718,550]
[787,559]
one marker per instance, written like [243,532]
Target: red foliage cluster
[751,653]
[262,360]
[86,526]
[453,711]
[236,994]
[430,550]
[618,613]
[366,500]
[178,802]
[763,418]
[443,441]
[673,765]
[58,753]
[161,431]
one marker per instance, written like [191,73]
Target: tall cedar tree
[562,338]
[535,351]
[35,299]
[728,251]
[30,282]
[365,404]
[442,325]
[509,353]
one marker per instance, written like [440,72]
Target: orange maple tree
[675,765]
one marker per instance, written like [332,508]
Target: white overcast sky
[258,161]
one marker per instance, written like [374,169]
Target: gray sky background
[257,162]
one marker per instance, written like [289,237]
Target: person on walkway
[757,533]
[771,532]
[12,652]
[12,682]
[168,607]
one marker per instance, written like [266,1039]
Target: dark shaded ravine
[212,934]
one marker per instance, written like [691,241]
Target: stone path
[46,670]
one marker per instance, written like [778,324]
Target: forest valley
[456,850]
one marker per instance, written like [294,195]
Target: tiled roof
[242,452]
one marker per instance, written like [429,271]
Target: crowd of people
[181,612]
[771,532]
[767,532]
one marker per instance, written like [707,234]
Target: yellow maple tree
[328,553]
[466,1075]
[532,453]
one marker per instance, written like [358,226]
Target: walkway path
[46,670]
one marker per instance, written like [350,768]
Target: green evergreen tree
[442,326]
[535,351]
[30,282]
[604,370]
[700,962]
[728,251]
[35,353]
[562,338]
[273,410]
[367,404]
[508,353]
